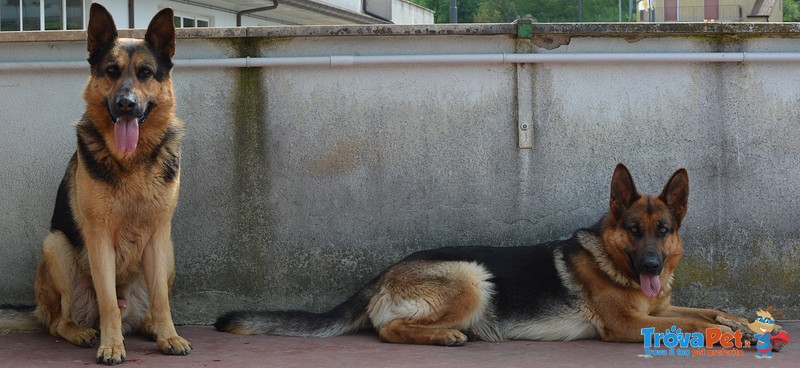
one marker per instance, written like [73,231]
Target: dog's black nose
[651,265]
[126,103]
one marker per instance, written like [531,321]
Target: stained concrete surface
[216,349]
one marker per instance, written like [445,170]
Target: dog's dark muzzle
[648,260]
[127,114]
[127,105]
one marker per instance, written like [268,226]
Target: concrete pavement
[215,349]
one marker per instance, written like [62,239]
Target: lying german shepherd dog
[108,262]
[608,281]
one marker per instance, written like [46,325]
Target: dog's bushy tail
[345,318]
[14,318]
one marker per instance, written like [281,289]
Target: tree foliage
[791,10]
[545,11]
[441,9]
[498,11]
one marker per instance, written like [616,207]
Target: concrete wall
[301,183]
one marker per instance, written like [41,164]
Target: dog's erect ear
[101,33]
[623,191]
[676,194]
[161,33]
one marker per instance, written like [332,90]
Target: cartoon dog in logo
[762,331]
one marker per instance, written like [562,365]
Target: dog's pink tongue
[126,134]
[122,303]
[651,285]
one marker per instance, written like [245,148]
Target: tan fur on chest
[125,214]
[601,288]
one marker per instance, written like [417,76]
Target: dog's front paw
[111,354]
[737,324]
[175,345]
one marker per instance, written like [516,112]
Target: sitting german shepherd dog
[108,261]
[608,281]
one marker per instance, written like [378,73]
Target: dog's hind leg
[408,332]
[146,326]
[59,281]
[431,302]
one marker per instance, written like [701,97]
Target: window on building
[185,21]
[41,15]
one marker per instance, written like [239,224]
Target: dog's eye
[145,73]
[663,230]
[112,70]
[634,229]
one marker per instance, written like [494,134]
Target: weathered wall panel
[300,183]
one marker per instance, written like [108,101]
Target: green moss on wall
[768,276]
[249,265]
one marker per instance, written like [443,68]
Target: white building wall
[216,18]
[404,12]
[352,5]
[117,8]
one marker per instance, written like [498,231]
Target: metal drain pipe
[254,10]
[440,59]
[449,59]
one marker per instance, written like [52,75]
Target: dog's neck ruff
[594,245]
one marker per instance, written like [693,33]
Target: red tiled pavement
[216,349]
